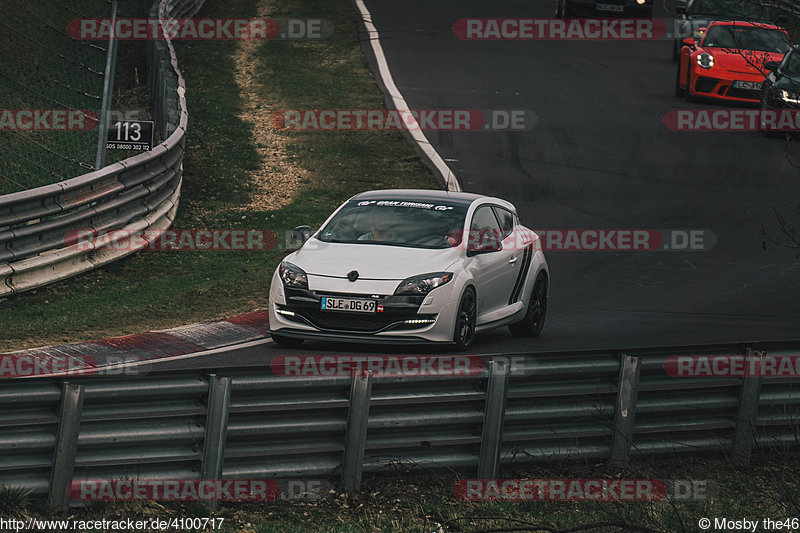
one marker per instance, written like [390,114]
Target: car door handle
[512,260]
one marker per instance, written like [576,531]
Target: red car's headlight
[705,60]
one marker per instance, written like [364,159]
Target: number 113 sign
[131,135]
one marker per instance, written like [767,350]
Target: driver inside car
[381,228]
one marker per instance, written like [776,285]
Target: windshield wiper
[387,243]
[339,241]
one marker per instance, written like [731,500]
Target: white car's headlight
[705,60]
[293,276]
[422,285]
[790,97]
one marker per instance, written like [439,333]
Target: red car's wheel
[679,92]
[689,96]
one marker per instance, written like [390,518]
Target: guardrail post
[745,433]
[69,423]
[494,415]
[356,436]
[625,410]
[219,402]
[108,89]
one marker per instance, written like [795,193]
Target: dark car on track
[604,8]
[781,89]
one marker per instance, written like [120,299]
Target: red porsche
[727,61]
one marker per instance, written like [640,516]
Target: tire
[533,323]
[563,10]
[680,93]
[766,132]
[689,96]
[285,341]
[464,329]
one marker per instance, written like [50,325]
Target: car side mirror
[483,242]
[301,233]
[772,66]
[688,42]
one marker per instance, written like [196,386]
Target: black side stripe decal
[523,273]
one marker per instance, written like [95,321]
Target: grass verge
[154,290]
[767,489]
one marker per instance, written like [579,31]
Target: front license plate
[347,304]
[611,7]
[754,85]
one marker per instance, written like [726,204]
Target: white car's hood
[372,261]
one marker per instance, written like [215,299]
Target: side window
[485,230]
[506,219]
[791,64]
[484,220]
[787,62]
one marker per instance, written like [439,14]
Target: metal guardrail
[251,423]
[138,193]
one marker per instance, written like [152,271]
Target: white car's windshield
[416,224]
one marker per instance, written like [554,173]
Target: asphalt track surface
[600,156]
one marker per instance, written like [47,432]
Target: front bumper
[719,85]
[404,319]
[356,338]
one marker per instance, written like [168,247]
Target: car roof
[746,24]
[464,199]
[763,10]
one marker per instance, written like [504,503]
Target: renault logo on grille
[352,275]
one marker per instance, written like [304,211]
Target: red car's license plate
[347,304]
[753,85]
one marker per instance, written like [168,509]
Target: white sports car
[411,266]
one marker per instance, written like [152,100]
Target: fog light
[419,321]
